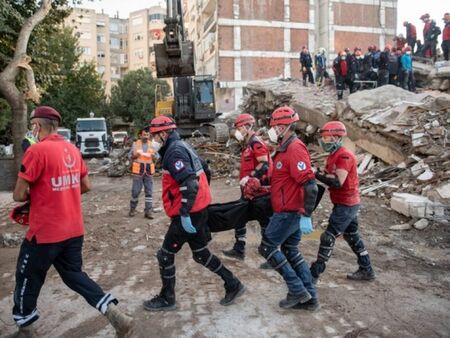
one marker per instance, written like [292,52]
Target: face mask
[35,132]
[408,53]
[238,135]
[156,145]
[330,147]
[343,57]
[273,136]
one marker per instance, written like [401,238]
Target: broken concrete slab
[421,224]
[403,226]
[416,206]
[444,190]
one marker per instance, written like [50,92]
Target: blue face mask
[330,147]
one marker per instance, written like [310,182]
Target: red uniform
[348,193]
[446,33]
[254,149]
[426,27]
[292,169]
[55,195]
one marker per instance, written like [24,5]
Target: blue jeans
[284,231]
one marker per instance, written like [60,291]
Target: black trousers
[32,266]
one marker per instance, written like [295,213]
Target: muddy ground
[409,298]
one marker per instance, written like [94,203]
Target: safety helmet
[20,214]
[425,16]
[333,128]
[283,116]
[243,120]
[162,123]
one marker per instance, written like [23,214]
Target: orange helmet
[333,128]
[244,119]
[162,123]
[283,116]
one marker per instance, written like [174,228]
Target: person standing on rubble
[431,40]
[411,34]
[383,66]
[340,175]
[446,37]
[52,177]
[320,62]
[406,69]
[185,195]
[142,170]
[293,194]
[342,73]
[306,64]
[256,164]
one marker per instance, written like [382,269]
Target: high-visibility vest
[144,163]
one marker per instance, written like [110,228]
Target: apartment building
[238,41]
[118,45]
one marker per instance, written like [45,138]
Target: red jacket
[254,149]
[411,31]
[291,169]
[426,27]
[446,33]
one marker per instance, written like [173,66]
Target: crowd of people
[356,69]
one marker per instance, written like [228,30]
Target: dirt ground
[409,298]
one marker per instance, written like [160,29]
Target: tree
[133,98]
[79,93]
[17,78]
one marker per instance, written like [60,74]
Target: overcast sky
[409,10]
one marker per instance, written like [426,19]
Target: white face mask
[156,145]
[408,53]
[35,132]
[273,136]
[238,135]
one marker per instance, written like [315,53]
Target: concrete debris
[403,226]
[444,190]
[418,206]
[10,240]
[421,224]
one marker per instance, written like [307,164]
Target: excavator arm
[175,56]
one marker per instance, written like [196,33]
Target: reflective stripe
[220,267]
[102,305]
[184,200]
[201,249]
[183,188]
[21,320]
[281,264]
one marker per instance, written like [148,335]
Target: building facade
[238,41]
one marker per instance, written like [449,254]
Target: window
[85,19]
[114,27]
[115,43]
[123,59]
[100,55]
[101,38]
[156,17]
[123,44]
[100,24]
[139,53]
[138,36]
[137,21]
[85,50]
[85,35]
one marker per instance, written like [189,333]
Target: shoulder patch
[179,165]
[279,165]
[301,166]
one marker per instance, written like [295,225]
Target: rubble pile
[433,76]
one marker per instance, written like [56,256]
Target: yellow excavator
[193,103]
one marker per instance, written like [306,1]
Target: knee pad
[355,242]
[204,257]
[272,255]
[266,250]
[327,241]
[166,261]
[293,255]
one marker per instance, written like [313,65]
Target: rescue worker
[142,170]
[406,69]
[383,66]
[426,24]
[399,42]
[369,74]
[446,37]
[431,40]
[52,177]
[255,163]
[293,194]
[320,62]
[351,63]
[340,175]
[394,67]
[411,34]
[359,68]
[185,195]
[341,72]
[306,64]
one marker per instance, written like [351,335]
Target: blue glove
[187,224]
[306,225]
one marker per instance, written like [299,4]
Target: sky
[409,10]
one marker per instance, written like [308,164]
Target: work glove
[244,181]
[186,223]
[305,225]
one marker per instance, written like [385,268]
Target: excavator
[193,103]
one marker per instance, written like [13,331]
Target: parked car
[118,137]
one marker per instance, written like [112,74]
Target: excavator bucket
[175,65]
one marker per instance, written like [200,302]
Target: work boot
[310,305]
[265,266]
[122,323]
[362,274]
[159,303]
[148,215]
[234,254]
[26,332]
[232,293]
[292,300]
[132,212]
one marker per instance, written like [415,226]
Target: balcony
[210,24]
[209,6]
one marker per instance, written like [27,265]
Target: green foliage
[77,95]
[133,98]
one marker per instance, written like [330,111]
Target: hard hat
[20,214]
[46,112]
[333,128]
[162,123]
[244,119]
[283,116]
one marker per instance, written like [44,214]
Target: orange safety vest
[144,163]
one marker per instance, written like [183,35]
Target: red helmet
[244,119]
[283,116]
[333,128]
[20,214]
[162,123]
